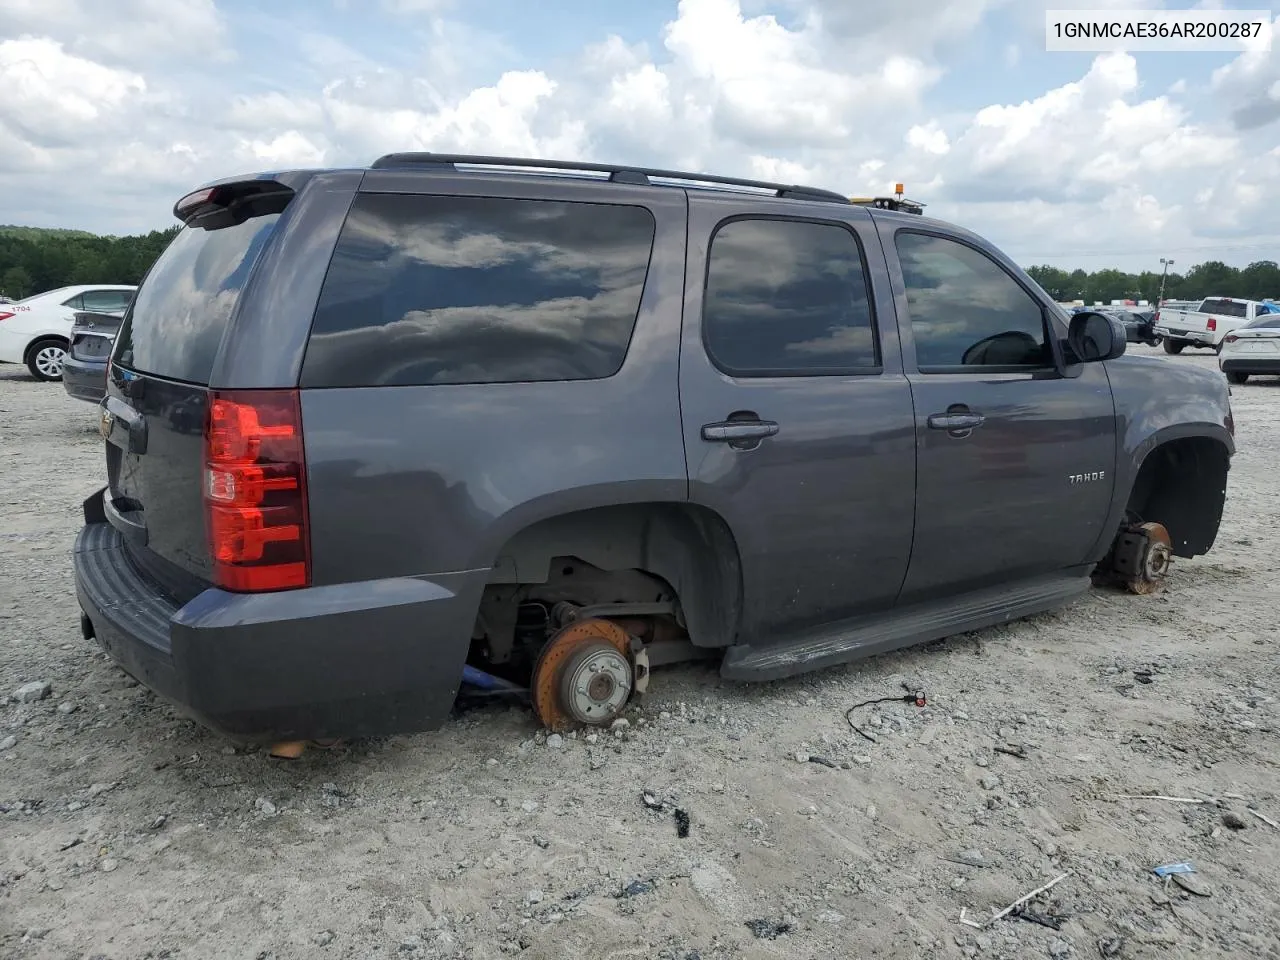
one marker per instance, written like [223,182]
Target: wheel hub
[49,361]
[1154,559]
[584,675]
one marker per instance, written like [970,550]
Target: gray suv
[539,427]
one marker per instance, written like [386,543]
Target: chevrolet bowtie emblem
[105,424]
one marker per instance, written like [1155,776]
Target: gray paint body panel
[822,512]
[416,480]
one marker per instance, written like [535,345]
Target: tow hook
[1141,557]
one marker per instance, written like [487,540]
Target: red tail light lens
[255,490]
[6,314]
[1156,318]
[1230,338]
[1213,324]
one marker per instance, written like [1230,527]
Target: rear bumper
[1263,366]
[85,379]
[351,660]
[1202,338]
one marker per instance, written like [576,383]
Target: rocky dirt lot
[128,832]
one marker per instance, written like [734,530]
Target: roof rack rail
[617,174]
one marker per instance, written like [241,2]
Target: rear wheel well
[48,338]
[1182,484]
[652,553]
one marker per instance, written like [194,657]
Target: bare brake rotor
[1152,561]
[584,675]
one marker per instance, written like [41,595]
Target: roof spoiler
[231,200]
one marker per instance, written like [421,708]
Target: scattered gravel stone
[108,865]
[529,806]
[534,896]
[491,762]
[990,782]
[66,707]
[265,807]
[8,743]
[800,757]
[622,723]
[1230,819]
[31,692]
[541,843]
[98,789]
[325,937]
[555,741]
[410,944]
[1059,949]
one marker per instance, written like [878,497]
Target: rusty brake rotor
[583,676]
[1155,560]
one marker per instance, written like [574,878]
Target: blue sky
[1069,158]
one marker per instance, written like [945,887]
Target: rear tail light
[6,314]
[1230,338]
[1213,324]
[255,490]
[1156,318]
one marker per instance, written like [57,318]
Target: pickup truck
[1208,323]
[370,435]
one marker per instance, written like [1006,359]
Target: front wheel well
[1182,484]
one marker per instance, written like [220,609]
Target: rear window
[185,303]
[448,290]
[1265,323]
[1227,308]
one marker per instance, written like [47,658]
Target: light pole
[1164,273]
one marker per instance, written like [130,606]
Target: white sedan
[36,331]
[1252,350]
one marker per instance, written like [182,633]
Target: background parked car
[1252,350]
[84,371]
[36,331]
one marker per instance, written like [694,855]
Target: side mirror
[1096,336]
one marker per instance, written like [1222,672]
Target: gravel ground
[128,832]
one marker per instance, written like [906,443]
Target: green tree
[16,283]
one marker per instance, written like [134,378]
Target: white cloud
[1249,86]
[851,98]
[51,97]
[122,30]
[930,138]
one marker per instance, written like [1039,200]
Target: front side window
[965,310]
[788,298]
[450,290]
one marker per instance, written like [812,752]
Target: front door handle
[730,431]
[952,422]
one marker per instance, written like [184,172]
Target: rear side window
[787,298]
[1226,308]
[185,303]
[1265,323]
[449,290]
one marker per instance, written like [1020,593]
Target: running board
[904,628]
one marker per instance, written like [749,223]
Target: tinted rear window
[184,304]
[1227,308]
[438,290]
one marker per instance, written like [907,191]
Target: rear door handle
[956,421]
[734,431]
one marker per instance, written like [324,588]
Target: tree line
[34,260]
[1258,281]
